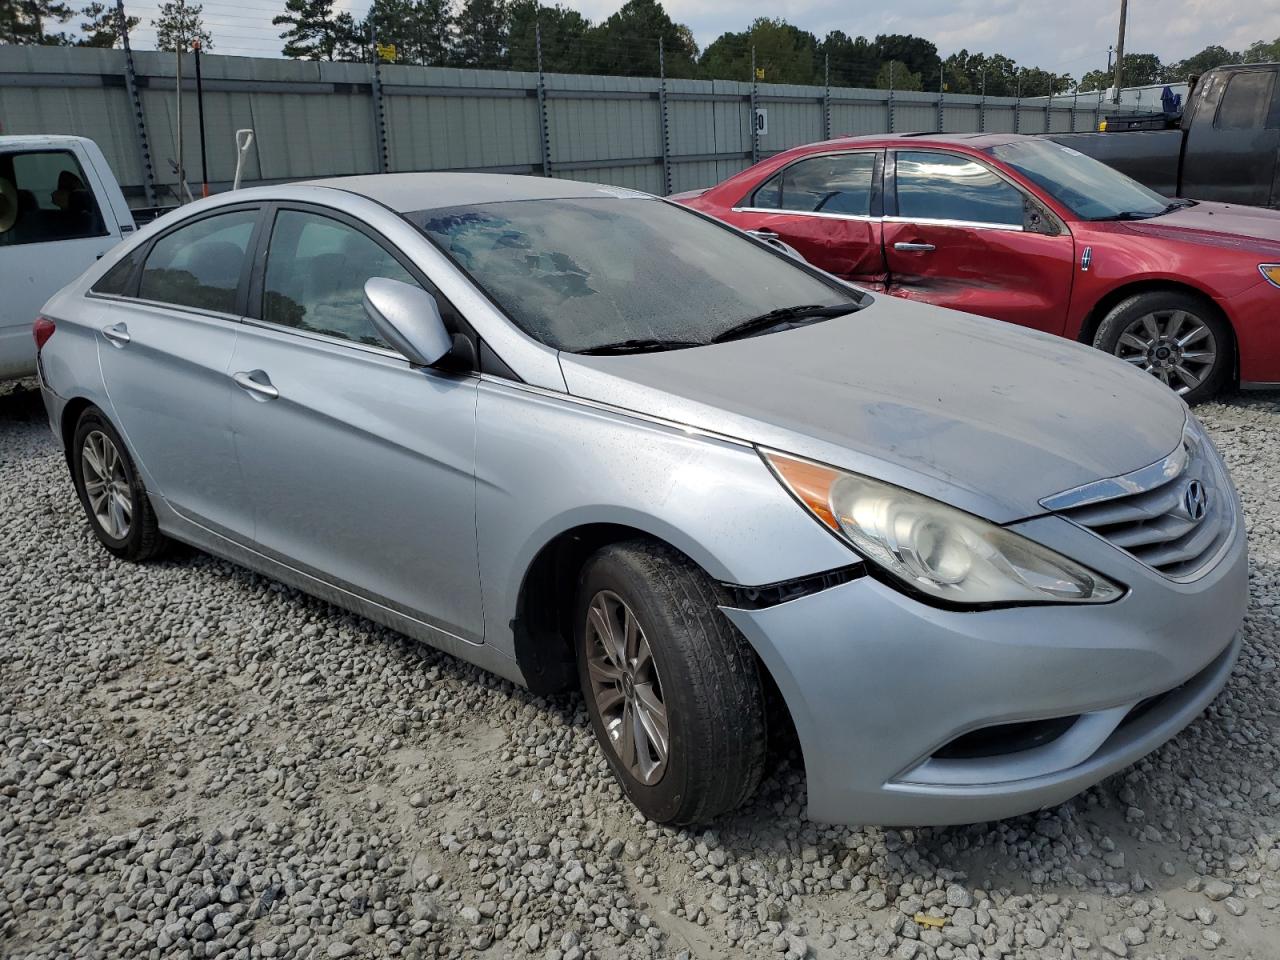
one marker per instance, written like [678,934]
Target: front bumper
[877,683]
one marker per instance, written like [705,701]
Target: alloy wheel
[106,485]
[626,687]
[1174,345]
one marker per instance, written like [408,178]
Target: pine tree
[26,22]
[180,25]
[101,25]
[419,29]
[480,30]
[315,32]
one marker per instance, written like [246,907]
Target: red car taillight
[42,330]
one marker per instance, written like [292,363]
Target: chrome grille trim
[1145,513]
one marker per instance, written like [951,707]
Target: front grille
[1159,522]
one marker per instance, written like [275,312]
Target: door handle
[764,232]
[117,333]
[914,247]
[265,391]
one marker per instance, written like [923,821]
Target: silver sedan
[572,432]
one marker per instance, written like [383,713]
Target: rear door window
[1246,101]
[839,183]
[200,264]
[45,196]
[944,186]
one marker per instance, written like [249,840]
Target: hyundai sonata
[569,431]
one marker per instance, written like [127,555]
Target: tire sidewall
[91,420]
[663,800]
[1114,324]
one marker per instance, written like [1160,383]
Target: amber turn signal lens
[811,482]
[1271,271]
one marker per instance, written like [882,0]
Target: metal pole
[204,159]
[982,106]
[1017,105]
[178,54]
[1048,107]
[755,119]
[1075,102]
[666,119]
[139,121]
[1124,16]
[543,118]
[889,102]
[379,116]
[826,97]
[942,82]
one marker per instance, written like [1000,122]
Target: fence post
[982,105]
[942,82]
[666,121]
[1075,102]
[544,124]
[889,102]
[1048,108]
[139,121]
[1017,105]
[826,97]
[1097,111]
[755,123]
[379,118]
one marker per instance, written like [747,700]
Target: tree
[626,43]
[314,33]
[419,29]
[481,29]
[1208,58]
[1141,69]
[101,25]
[1260,51]
[564,33]
[894,74]
[180,25]
[853,62]
[784,54]
[25,22]
[915,53]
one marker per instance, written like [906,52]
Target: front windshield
[1089,189]
[580,274]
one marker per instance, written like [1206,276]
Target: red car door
[960,235]
[823,205]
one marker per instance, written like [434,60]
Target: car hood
[1219,224]
[983,415]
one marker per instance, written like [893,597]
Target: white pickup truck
[60,209]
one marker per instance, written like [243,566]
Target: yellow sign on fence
[387,52]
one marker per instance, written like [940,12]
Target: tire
[1151,330]
[701,672]
[119,511]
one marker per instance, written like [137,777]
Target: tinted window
[199,265]
[1089,189]
[835,184]
[316,271]
[581,273]
[119,279]
[1245,102]
[940,186]
[44,196]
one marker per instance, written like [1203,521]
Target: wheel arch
[1109,300]
[70,416]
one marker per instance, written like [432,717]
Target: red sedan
[1027,230]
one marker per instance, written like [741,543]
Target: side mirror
[408,318]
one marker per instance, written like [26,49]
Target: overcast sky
[1065,37]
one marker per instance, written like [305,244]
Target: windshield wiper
[785,315]
[1129,215]
[638,345]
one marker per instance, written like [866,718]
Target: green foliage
[419,29]
[180,25]
[315,32]
[626,43]
[565,48]
[1260,51]
[101,25]
[480,29]
[1208,58]
[895,75]
[29,22]
[784,54]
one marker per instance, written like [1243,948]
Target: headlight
[1271,271]
[937,550]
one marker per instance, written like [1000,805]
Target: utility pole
[1124,15]
[177,49]
[204,158]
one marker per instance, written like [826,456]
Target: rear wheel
[1176,337]
[672,688]
[114,499]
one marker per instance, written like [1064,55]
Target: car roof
[39,140]
[974,141]
[407,192]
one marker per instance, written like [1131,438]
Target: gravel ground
[199,762]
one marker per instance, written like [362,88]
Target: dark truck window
[45,196]
[839,183]
[1246,101]
[943,186]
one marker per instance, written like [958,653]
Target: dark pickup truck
[1223,146]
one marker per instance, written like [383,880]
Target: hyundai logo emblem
[1196,500]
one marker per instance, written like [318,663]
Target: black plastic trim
[772,594]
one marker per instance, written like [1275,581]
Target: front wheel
[672,688]
[1176,337]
